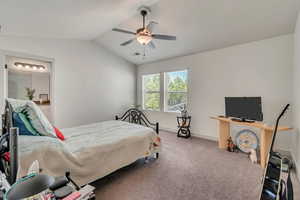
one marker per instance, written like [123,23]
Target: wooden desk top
[254,124]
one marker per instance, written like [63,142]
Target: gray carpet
[187,169]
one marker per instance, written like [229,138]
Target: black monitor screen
[244,108]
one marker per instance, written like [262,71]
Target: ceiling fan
[144,35]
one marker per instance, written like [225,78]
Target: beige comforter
[89,152]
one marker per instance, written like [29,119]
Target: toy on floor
[231,147]
[253,156]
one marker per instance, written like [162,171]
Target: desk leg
[265,142]
[224,134]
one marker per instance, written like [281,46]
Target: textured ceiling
[202,25]
[199,25]
[68,19]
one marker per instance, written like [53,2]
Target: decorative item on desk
[231,147]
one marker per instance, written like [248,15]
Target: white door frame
[34,57]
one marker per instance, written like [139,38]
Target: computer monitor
[245,108]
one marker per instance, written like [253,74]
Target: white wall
[296,98]
[262,68]
[90,84]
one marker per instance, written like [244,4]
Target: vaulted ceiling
[67,19]
[199,25]
[202,25]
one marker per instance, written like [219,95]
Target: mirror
[29,79]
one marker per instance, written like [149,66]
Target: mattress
[89,152]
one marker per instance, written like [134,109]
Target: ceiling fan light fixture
[144,39]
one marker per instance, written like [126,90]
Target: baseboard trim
[207,137]
[168,129]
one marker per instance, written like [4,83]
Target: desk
[266,133]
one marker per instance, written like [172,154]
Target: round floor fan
[246,140]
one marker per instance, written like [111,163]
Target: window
[165,91]
[176,90]
[151,92]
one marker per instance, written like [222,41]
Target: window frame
[151,92]
[164,90]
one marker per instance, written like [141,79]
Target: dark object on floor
[231,147]
[63,192]
[184,124]
[59,182]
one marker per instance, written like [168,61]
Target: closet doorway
[30,79]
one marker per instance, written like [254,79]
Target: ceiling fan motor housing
[144,10]
[144,13]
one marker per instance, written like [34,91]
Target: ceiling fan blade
[163,37]
[123,31]
[127,42]
[152,45]
[151,25]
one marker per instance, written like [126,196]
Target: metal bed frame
[134,115]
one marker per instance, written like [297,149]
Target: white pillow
[37,118]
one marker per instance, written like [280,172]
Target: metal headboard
[136,116]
